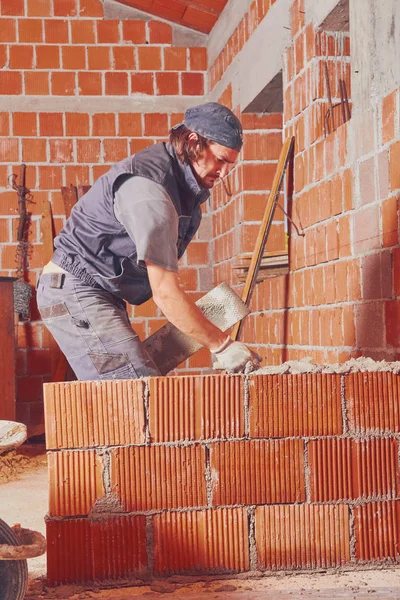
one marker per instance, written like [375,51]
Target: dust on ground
[355,365]
[347,585]
[16,463]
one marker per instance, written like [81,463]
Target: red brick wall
[340,299]
[63,57]
[341,290]
[248,24]
[220,474]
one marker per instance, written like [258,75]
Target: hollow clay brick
[194,408]
[201,541]
[302,536]
[295,405]
[83,414]
[377,531]
[344,469]
[77,124]
[160,33]
[75,482]
[257,472]
[108,31]
[84,550]
[159,477]
[373,402]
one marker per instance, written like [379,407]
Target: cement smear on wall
[355,365]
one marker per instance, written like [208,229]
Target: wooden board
[7,349]
[82,189]
[70,198]
[265,227]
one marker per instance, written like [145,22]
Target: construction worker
[123,241]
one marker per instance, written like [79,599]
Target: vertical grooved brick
[373,402]
[97,549]
[377,531]
[295,405]
[201,541]
[257,472]
[193,408]
[79,415]
[349,469]
[302,536]
[159,477]
[75,482]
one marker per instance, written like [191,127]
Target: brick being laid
[295,405]
[146,478]
[373,402]
[306,536]
[94,413]
[80,550]
[257,472]
[195,408]
[353,469]
[377,531]
[212,541]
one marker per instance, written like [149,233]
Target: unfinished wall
[222,474]
[78,93]
[340,298]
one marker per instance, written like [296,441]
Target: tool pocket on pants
[113,366]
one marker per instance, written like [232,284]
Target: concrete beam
[140,104]
[181,36]
[270,99]
[318,10]
[260,60]
[228,21]
[375,50]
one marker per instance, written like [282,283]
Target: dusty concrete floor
[23,499]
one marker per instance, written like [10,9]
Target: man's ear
[193,136]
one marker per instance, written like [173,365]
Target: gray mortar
[353,557]
[208,477]
[306,472]
[146,412]
[106,471]
[110,503]
[398,456]
[246,402]
[354,365]
[343,403]
[251,515]
[150,544]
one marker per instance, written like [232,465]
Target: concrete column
[375,50]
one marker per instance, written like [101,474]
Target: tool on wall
[286,156]
[22,289]
[329,120]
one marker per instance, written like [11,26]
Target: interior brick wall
[222,474]
[61,54]
[341,289]
[340,299]
[237,211]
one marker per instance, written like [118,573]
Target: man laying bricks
[123,241]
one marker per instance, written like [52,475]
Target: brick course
[310,497]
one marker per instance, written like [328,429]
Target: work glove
[236,357]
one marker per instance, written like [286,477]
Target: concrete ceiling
[200,15]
